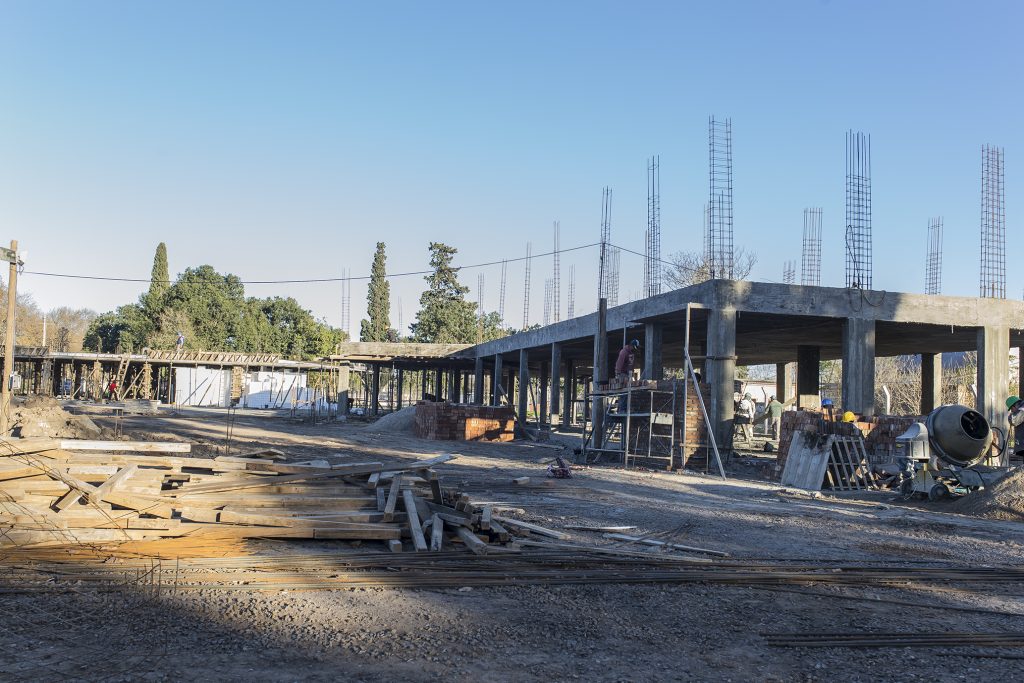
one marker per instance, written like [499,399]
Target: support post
[556,380]
[994,376]
[438,384]
[524,383]
[478,381]
[375,390]
[543,418]
[653,339]
[401,388]
[859,366]
[721,368]
[498,379]
[12,304]
[931,382]
[784,381]
[570,393]
[808,377]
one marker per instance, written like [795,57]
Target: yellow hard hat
[848,416]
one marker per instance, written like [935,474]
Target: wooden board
[807,461]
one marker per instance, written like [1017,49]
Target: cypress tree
[378,301]
[159,279]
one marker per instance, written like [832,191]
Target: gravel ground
[543,633]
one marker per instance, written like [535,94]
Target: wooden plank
[381,499]
[435,488]
[27,446]
[515,523]
[67,500]
[436,533]
[113,482]
[500,531]
[472,542]
[419,543]
[389,506]
[256,481]
[485,518]
[395,546]
[116,446]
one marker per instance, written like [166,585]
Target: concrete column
[600,372]
[784,381]
[994,374]
[543,418]
[524,383]
[343,388]
[400,388]
[498,371]
[721,367]
[478,381]
[438,384]
[570,393]
[859,366]
[556,380]
[453,386]
[931,382]
[375,391]
[653,368]
[808,377]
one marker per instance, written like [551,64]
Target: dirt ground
[549,633]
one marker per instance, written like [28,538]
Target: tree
[444,316]
[159,279]
[71,325]
[378,301]
[492,327]
[692,268]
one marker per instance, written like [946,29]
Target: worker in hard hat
[744,418]
[1015,406]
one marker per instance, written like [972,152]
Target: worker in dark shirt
[624,363]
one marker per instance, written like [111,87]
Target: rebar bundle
[606,236]
[526,288]
[933,261]
[718,239]
[556,294]
[652,260]
[548,290]
[501,294]
[810,262]
[858,210]
[571,312]
[993,224]
[612,293]
[789,272]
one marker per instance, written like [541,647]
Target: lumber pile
[64,492]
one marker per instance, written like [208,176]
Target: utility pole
[10,255]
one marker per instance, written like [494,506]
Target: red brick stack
[879,432]
[458,422]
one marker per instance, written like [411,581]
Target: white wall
[202,387]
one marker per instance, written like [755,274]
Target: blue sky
[282,140]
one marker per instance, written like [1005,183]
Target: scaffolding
[992,283]
[719,236]
[652,260]
[858,210]
[810,261]
[933,260]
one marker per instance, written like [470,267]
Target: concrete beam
[556,380]
[931,382]
[859,366]
[994,374]
[808,377]
[653,340]
[478,381]
[721,373]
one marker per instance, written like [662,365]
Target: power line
[342,278]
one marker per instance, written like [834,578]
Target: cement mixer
[944,456]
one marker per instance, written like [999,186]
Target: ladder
[121,375]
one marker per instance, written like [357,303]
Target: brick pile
[879,432]
[460,422]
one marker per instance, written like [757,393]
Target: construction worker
[1015,406]
[848,416]
[774,410]
[624,363]
[744,416]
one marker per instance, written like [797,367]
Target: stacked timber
[71,492]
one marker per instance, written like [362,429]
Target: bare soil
[546,633]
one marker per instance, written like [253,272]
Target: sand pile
[1003,500]
[400,421]
[44,416]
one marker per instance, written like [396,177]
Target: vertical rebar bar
[993,224]
[858,211]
